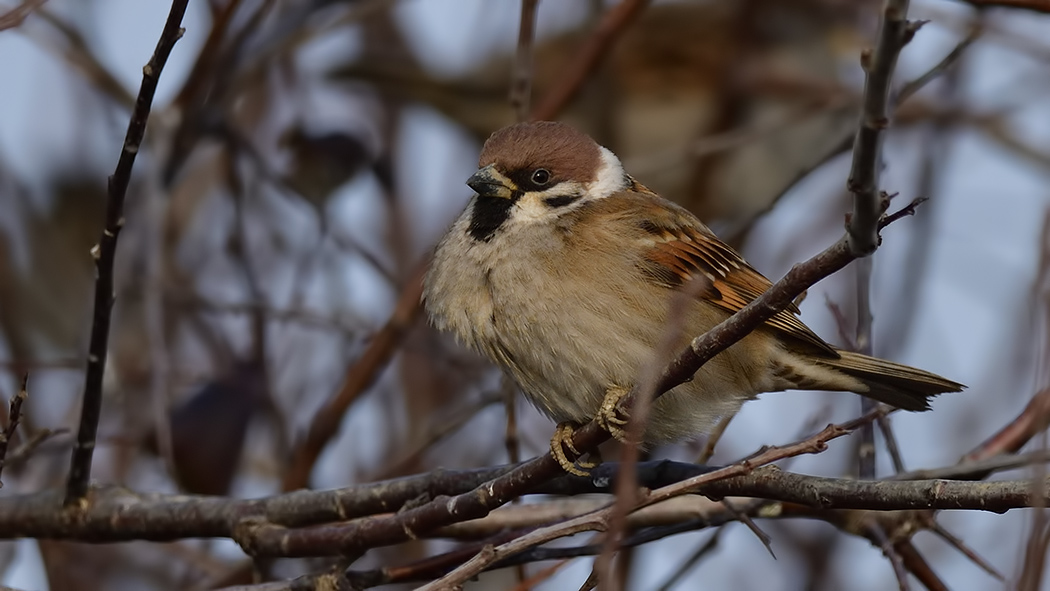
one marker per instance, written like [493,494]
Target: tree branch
[105,253]
[894,34]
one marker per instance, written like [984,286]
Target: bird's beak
[489,182]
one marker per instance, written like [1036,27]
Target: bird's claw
[610,417]
[561,443]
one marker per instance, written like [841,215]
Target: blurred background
[304,156]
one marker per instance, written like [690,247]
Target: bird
[561,271]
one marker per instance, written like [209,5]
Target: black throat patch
[488,215]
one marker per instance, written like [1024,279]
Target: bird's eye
[541,176]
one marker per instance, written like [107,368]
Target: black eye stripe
[561,201]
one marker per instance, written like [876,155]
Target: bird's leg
[562,442]
[610,417]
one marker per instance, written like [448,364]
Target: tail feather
[892,383]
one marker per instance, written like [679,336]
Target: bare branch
[105,253]
[863,182]
[1042,6]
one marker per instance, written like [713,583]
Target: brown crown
[567,153]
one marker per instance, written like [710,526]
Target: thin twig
[104,254]
[597,521]
[24,451]
[940,68]
[977,469]
[863,182]
[14,416]
[890,441]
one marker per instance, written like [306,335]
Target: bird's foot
[610,417]
[562,447]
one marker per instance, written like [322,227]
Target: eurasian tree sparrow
[561,271]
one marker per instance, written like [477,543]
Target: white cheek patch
[531,206]
[611,177]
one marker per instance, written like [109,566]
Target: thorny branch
[105,253]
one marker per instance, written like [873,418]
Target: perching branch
[119,515]
[105,252]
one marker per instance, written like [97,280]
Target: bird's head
[531,172]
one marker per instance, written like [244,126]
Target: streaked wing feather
[682,250]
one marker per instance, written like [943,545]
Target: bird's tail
[892,383]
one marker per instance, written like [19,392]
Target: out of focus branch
[594,50]
[105,253]
[14,416]
[1032,5]
[17,15]
[359,377]
[1033,420]
[521,78]
[82,57]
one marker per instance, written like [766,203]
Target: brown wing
[684,249]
